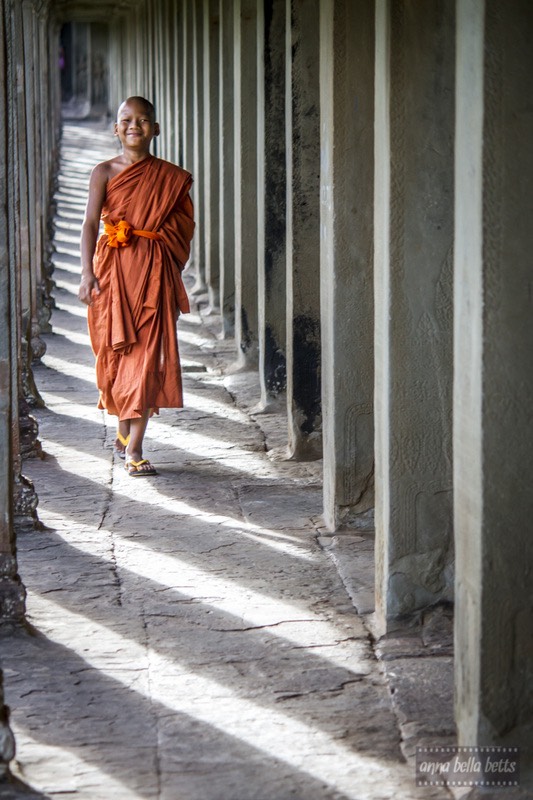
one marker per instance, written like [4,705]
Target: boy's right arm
[89,233]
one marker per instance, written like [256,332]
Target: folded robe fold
[148,224]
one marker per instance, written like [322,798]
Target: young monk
[131,279]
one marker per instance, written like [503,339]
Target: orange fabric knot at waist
[119,235]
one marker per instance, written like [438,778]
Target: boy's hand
[88,285]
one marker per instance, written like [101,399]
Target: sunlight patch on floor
[268,730]
[73,336]
[78,310]
[211,407]
[58,770]
[70,369]
[97,469]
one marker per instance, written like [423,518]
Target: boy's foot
[121,442]
[140,469]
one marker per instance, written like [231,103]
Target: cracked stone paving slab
[189,638]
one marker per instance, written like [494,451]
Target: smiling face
[135,125]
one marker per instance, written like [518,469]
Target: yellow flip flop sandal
[140,469]
[124,441]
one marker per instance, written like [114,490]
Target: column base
[25,504]
[12,593]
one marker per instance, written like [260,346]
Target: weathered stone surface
[189,636]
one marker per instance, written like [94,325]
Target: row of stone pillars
[363,195]
[29,105]
[29,145]
[347,155]
[239,107]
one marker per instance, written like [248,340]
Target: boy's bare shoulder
[106,170]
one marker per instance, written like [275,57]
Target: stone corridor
[190,637]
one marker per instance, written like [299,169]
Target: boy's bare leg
[122,437]
[137,429]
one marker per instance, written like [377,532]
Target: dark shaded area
[275,364]
[307,378]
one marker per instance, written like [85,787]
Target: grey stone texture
[188,635]
[413,233]
[245,177]
[226,170]
[271,200]
[302,122]
[195,44]
[493,375]
[211,161]
[346,258]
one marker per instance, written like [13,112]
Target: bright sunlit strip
[68,458]
[63,249]
[202,403]
[76,310]
[69,368]
[74,336]
[65,266]
[197,444]
[68,286]
[60,771]
[75,410]
[250,607]
[265,729]
[65,237]
[96,468]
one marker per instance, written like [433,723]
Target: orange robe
[148,216]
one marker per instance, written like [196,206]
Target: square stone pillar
[175,78]
[413,238]
[493,380]
[211,152]
[197,125]
[157,48]
[303,229]
[245,165]
[12,594]
[346,256]
[187,98]
[272,200]
[187,94]
[226,168]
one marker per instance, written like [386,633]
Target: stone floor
[199,635]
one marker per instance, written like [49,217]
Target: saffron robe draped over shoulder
[132,322]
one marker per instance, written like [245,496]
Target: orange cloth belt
[119,235]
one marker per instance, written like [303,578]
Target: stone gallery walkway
[189,637]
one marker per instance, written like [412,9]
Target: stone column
[32,344]
[169,77]
[12,593]
[303,229]
[24,427]
[493,381]
[272,201]
[198,243]
[175,79]
[7,741]
[414,126]
[346,257]
[245,160]
[42,283]
[188,83]
[226,169]
[161,84]
[210,167]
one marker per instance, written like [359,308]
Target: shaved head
[139,101]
